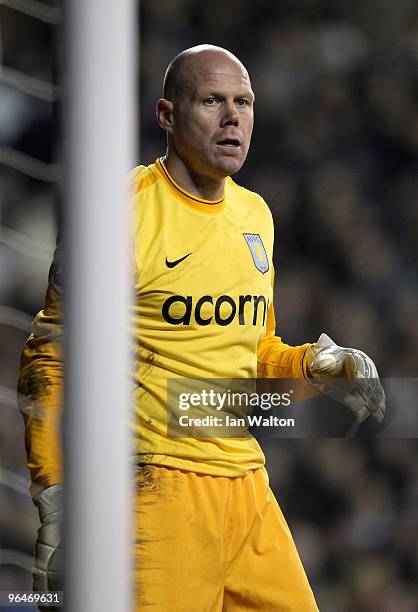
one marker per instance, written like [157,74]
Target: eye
[242,102]
[210,101]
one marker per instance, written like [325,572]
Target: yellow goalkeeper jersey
[203,309]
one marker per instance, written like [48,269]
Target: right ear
[165,116]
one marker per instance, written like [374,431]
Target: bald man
[209,535]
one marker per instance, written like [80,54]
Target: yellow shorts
[213,544]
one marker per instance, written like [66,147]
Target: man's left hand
[349,373]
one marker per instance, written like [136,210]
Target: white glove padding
[351,374]
[48,570]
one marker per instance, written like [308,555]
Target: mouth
[231,143]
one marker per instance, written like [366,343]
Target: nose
[231,115]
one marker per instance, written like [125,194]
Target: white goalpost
[99,140]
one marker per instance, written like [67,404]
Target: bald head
[207,113]
[187,65]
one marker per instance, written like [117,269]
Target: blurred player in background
[209,534]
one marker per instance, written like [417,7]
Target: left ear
[165,115]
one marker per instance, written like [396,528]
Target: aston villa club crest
[258,251]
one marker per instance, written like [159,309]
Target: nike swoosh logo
[173,264]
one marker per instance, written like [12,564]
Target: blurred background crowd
[335,155]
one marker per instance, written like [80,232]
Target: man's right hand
[48,571]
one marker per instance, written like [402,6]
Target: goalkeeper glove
[48,570]
[351,375]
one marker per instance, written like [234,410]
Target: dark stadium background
[335,154]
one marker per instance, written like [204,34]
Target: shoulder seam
[242,188]
[142,178]
[252,193]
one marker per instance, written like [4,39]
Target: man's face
[213,116]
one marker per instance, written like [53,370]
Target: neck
[203,187]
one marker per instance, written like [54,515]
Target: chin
[229,166]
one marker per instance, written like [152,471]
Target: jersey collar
[208,206]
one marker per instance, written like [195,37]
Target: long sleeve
[40,386]
[275,359]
